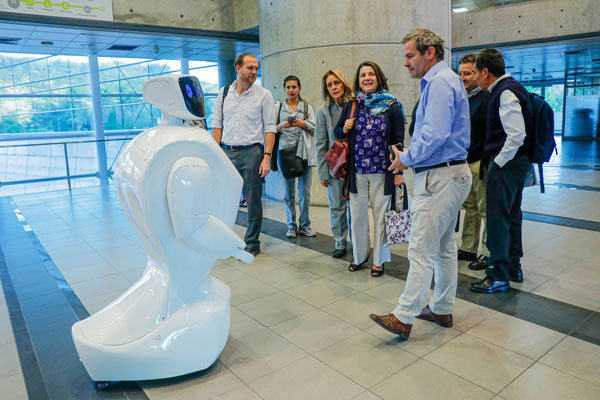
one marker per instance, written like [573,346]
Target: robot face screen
[193,97]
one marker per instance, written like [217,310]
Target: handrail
[68,175]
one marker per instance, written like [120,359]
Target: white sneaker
[291,233]
[308,232]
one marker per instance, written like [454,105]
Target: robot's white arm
[192,196]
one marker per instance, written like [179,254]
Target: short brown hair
[239,60]
[381,79]
[468,59]
[424,39]
[492,60]
[345,81]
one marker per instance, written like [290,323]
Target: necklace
[369,118]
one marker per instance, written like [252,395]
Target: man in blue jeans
[437,154]
[245,128]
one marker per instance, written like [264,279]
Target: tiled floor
[300,326]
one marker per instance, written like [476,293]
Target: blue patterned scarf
[379,102]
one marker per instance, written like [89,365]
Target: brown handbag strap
[353,109]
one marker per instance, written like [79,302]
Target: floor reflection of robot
[181,194]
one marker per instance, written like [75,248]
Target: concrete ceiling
[548,61]
[28,38]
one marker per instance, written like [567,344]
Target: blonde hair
[348,95]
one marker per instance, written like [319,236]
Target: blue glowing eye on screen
[189,91]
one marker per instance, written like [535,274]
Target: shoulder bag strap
[225,91]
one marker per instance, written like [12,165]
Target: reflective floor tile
[259,354]
[242,325]
[570,292]
[14,386]
[389,291]
[577,358]
[366,395]
[133,275]
[467,314]
[359,280]
[488,365]
[355,309]
[88,272]
[321,292]
[226,273]
[520,336]
[365,358]
[286,277]
[323,265]
[241,393]
[207,384]
[543,382]
[96,303]
[424,337]
[307,379]
[275,308]
[247,289]
[423,380]
[9,361]
[314,331]
[262,263]
[99,286]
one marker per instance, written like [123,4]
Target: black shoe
[487,285]
[338,253]
[466,256]
[481,263]
[355,267]
[516,276]
[254,252]
[375,273]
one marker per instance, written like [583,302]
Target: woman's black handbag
[291,165]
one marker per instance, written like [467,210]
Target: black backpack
[542,137]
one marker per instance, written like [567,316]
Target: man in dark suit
[507,147]
[474,205]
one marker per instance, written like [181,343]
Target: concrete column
[226,72]
[98,119]
[185,65]
[306,38]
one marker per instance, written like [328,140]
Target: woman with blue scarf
[377,123]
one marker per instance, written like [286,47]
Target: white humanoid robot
[181,194]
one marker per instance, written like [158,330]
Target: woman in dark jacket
[377,123]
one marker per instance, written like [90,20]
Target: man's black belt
[229,147]
[444,164]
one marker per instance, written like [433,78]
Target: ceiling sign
[99,10]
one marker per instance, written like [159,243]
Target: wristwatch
[268,154]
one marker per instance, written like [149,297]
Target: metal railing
[68,175]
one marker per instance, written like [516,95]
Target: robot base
[189,340]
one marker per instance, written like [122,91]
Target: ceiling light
[88,45]
[459,10]
[46,43]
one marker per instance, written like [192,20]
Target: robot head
[180,96]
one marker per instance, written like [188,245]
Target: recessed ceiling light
[46,43]
[459,10]
[88,45]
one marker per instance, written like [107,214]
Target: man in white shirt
[507,147]
[244,126]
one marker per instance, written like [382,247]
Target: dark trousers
[504,192]
[247,162]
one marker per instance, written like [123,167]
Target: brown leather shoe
[391,324]
[444,320]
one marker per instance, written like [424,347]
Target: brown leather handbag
[337,156]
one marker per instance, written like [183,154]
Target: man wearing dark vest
[474,205]
[507,145]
